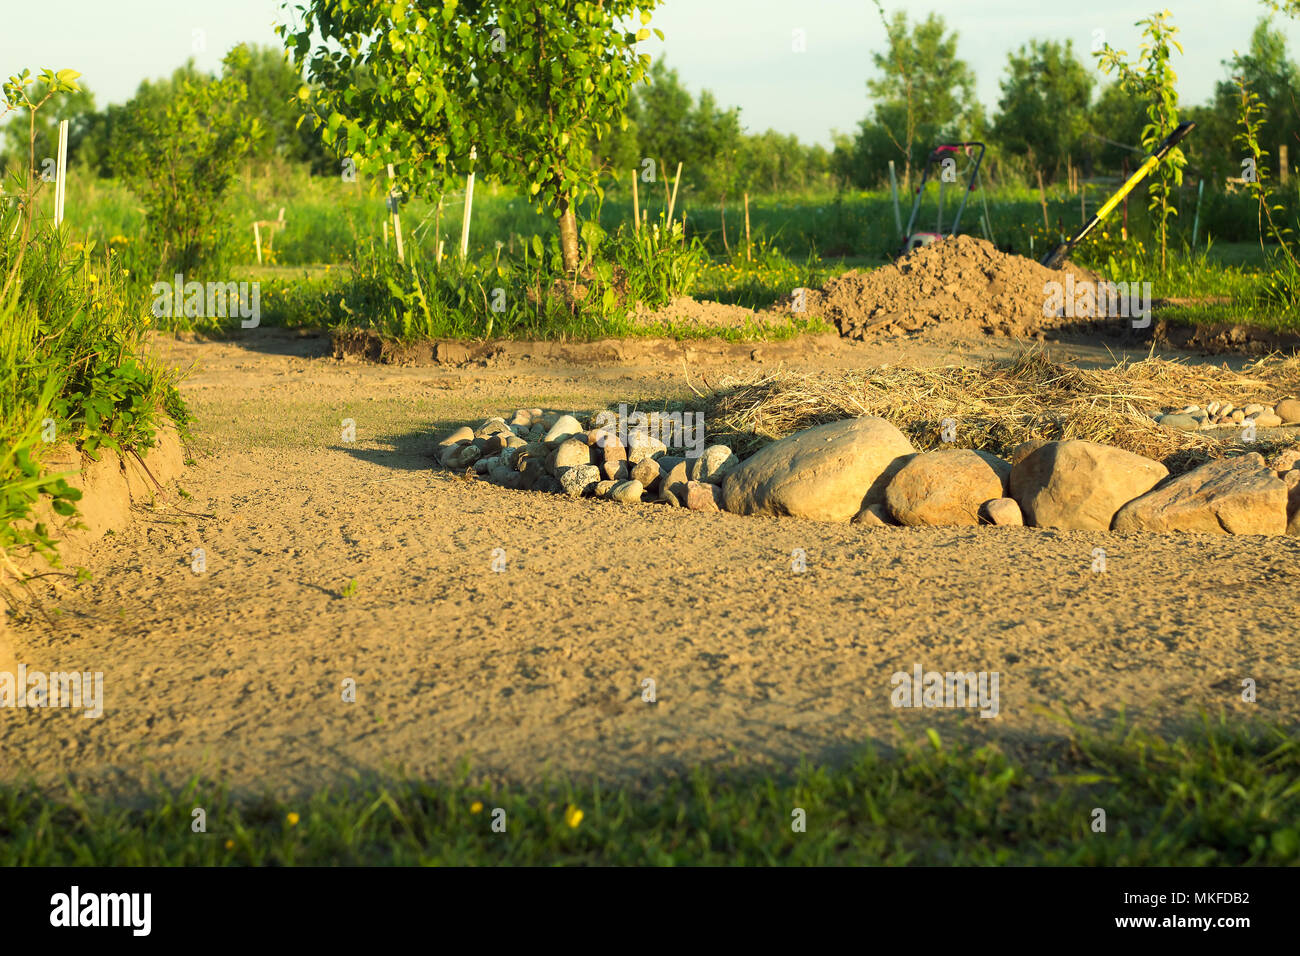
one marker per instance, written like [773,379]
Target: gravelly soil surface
[237,673]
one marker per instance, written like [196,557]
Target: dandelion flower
[293,819]
[476,806]
[572,816]
[230,844]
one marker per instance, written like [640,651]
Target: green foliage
[72,356]
[1044,106]
[180,150]
[923,95]
[527,85]
[1153,80]
[1217,796]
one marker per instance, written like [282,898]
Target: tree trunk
[722,205]
[568,236]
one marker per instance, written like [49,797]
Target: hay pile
[996,407]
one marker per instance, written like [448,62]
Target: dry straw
[995,407]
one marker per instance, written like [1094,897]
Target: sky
[742,50]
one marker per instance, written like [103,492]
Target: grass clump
[1216,796]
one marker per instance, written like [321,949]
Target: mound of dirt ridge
[962,281]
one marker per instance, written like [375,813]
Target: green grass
[1219,796]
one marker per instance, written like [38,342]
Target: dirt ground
[237,673]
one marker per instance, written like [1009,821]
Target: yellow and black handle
[1057,256]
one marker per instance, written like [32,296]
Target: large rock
[946,487]
[1079,485]
[1292,481]
[826,473]
[1229,496]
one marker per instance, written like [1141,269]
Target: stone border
[865,470]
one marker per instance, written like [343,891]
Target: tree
[180,146]
[1153,80]
[273,82]
[528,85]
[924,93]
[1044,104]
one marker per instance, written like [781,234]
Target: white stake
[61,184]
[397,222]
[257,238]
[469,203]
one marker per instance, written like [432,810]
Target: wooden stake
[397,221]
[61,183]
[257,240]
[636,205]
[1042,197]
[747,255]
[469,203]
[672,201]
[1283,164]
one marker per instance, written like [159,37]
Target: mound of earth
[962,281]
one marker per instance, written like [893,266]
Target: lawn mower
[941,156]
[1055,258]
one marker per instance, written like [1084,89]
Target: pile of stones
[555,452]
[865,470]
[1225,414]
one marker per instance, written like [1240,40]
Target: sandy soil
[237,673]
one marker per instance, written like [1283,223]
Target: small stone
[703,496]
[1189,410]
[565,427]
[578,480]
[1265,420]
[1226,409]
[536,432]
[1254,408]
[627,492]
[668,498]
[1292,481]
[462,434]
[1288,410]
[492,426]
[1238,416]
[523,418]
[1003,512]
[714,464]
[572,453]
[616,470]
[647,472]
[641,446]
[1180,421]
[1285,461]
[502,474]
[603,488]
[675,475]
[462,456]
[1213,409]
[483,464]
[873,516]
[612,449]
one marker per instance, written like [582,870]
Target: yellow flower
[476,806]
[293,819]
[230,844]
[572,816]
